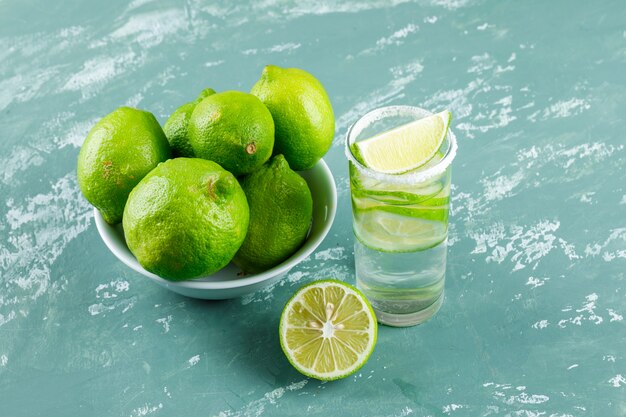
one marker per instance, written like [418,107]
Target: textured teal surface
[533,322]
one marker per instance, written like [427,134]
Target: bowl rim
[104,230]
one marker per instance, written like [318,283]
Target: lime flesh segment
[328,330]
[406,147]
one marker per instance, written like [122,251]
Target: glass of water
[400,223]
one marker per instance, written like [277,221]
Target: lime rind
[372,330]
[357,153]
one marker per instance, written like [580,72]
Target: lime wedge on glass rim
[328,330]
[406,147]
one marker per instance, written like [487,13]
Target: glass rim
[414,176]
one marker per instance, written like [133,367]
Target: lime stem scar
[251,148]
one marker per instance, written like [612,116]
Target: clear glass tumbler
[400,223]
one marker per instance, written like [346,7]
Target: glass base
[411,319]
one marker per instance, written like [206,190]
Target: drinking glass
[400,224]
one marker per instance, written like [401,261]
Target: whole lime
[303,116]
[281,209]
[186,219]
[118,152]
[176,127]
[233,129]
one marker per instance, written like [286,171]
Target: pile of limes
[216,184]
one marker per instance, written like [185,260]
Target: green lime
[176,127]
[406,147]
[118,152]
[328,330]
[281,208]
[186,219]
[233,129]
[302,114]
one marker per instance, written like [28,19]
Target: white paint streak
[617,381]
[37,231]
[152,28]
[566,108]
[568,249]
[99,308]
[116,286]
[457,101]
[587,197]
[524,246]
[524,398]
[283,47]
[450,408]
[257,407]
[451,4]
[76,134]
[609,250]
[334,6]
[20,159]
[497,118]
[337,253]
[536,282]
[396,38]
[25,85]
[501,186]
[214,63]
[134,100]
[577,161]
[96,72]
[587,313]
[109,294]
[481,63]
[165,322]
[614,315]
[146,409]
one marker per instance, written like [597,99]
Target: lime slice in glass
[406,147]
[396,230]
[328,330]
[362,205]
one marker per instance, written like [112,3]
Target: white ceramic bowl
[226,283]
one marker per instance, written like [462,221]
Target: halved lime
[328,330]
[406,147]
